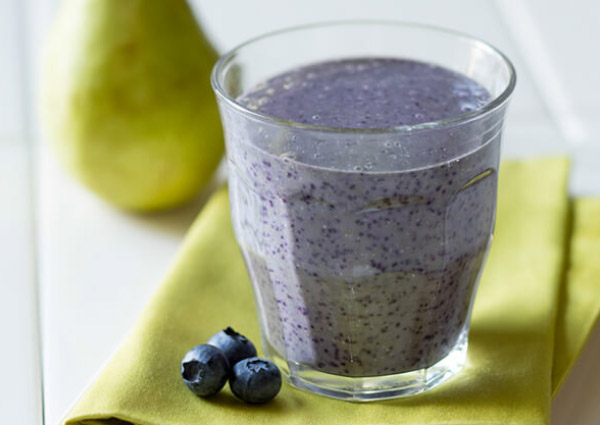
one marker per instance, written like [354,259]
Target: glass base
[372,388]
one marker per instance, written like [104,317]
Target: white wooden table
[76,273]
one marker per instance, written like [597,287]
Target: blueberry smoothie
[364,247]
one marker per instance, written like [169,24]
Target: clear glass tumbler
[364,246]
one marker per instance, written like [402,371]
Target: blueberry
[205,370]
[255,380]
[235,346]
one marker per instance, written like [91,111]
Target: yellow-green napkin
[508,377]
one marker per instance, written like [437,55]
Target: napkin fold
[515,359]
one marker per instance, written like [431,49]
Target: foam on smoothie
[367,93]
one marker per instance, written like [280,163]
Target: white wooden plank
[20,386]
[571,30]
[98,267]
[523,27]
[20,363]
[11,77]
[38,16]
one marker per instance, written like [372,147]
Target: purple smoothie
[363,255]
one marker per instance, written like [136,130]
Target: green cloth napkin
[510,374]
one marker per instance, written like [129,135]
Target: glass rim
[495,104]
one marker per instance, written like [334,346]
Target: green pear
[127,101]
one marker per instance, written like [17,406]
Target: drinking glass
[364,246]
